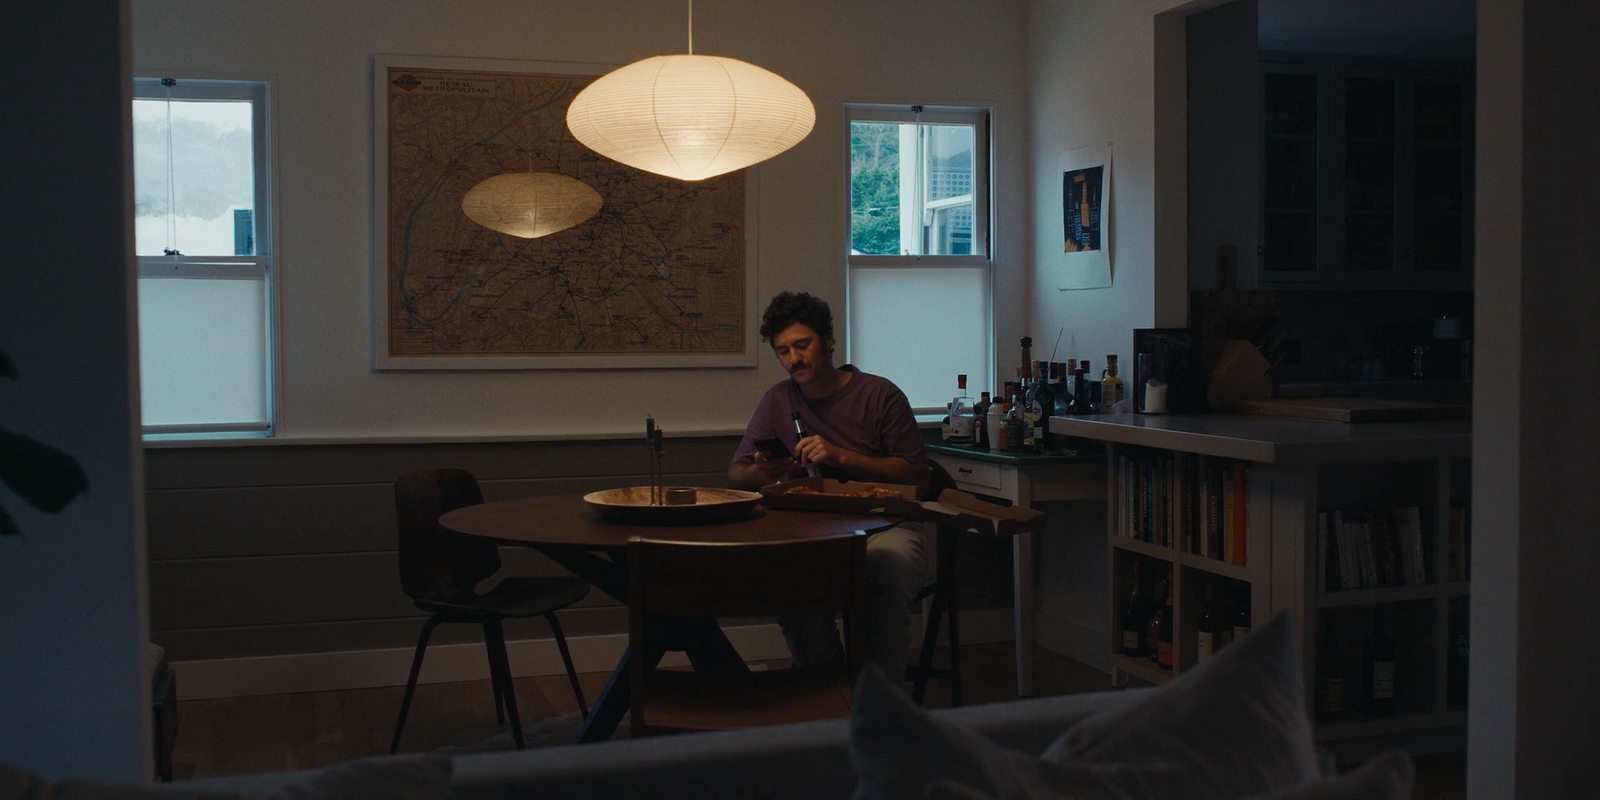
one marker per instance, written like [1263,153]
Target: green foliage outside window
[875,188]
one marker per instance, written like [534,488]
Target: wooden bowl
[632,505]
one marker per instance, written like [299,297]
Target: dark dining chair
[716,579]
[943,587]
[440,571]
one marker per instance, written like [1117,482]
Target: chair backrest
[436,563]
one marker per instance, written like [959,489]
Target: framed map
[658,278]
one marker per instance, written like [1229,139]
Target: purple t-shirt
[870,415]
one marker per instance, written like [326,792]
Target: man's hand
[817,450]
[762,471]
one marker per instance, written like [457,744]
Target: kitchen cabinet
[1366,175]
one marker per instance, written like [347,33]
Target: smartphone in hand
[774,448]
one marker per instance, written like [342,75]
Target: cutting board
[1353,409]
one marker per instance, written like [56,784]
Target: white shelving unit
[1297,468]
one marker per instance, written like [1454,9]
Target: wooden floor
[271,733]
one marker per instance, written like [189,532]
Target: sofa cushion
[411,777]
[1386,777]
[1238,721]
[1233,727]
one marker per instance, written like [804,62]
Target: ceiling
[1423,29]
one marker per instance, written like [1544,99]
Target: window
[202,233]
[918,259]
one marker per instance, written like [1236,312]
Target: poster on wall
[502,242]
[1083,240]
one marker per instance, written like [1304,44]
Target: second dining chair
[714,579]
[440,571]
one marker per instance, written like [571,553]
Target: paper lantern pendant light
[530,204]
[690,117]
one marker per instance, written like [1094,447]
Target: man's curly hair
[788,308]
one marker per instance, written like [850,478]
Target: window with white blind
[202,226]
[918,258]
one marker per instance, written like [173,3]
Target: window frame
[257,267]
[982,211]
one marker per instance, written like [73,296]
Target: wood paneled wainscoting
[273,565]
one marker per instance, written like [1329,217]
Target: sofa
[1236,727]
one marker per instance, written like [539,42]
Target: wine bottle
[1241,622]
[1152,622]
[1133,619]
[1164,646]
[1378,674]
[961,414]
[1330,675]
[1206,629]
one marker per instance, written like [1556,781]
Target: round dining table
[573,534]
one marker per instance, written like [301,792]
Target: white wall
[1535,683]
[73,700]
[317,56]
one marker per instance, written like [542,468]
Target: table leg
[1022,589]
[708,648]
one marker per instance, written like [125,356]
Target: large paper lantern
[530,204]
[690,117]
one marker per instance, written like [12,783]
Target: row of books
[1203,501]
[1360,550]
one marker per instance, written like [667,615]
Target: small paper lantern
[690,117]
[530,204]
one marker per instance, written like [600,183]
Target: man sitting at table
[860,428]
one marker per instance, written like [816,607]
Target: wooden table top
[567,520]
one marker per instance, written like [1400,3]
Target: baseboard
[366,669]
[1072,640]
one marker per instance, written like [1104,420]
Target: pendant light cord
[691,27]
[172,195]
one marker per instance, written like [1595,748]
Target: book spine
[1241,513]
[1322,552]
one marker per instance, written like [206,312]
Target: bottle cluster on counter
[1017,418]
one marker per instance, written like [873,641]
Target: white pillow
[1388,776]
[1234,727]
[1238,722]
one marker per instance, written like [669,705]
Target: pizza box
[958,509]
[835,497]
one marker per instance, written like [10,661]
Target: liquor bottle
[1063,391]
[1152,621]
[1378,674]
[961,414]
[1029,417]
[1206,628]
[1164,645]
[1330,675]
[980,421]
[997,424]
[1133,619]
[1027,359]
[1042,405]
[1080,390]
[800,432]
[1112,388]
[1014,423]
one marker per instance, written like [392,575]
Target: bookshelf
[1295,470]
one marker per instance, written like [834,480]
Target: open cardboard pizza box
[958,509]
[827,494]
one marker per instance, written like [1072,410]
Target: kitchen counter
[1016,458]
[1275,440]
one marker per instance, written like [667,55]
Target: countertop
[1275,440]
[1095,456]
